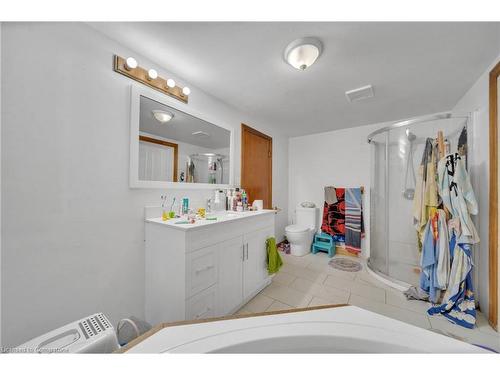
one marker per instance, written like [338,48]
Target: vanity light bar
[129,67]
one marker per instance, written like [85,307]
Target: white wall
[72,229]
[477,99]
[338,158]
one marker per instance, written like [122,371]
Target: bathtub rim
[161,326]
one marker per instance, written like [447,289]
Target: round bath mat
[345,264]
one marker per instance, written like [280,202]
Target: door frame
[160,142]
[493,199]
[247,129]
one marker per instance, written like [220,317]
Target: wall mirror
[171,147]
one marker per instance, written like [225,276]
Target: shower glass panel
[396,157]
[378,210]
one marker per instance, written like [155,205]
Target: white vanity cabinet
[207,269]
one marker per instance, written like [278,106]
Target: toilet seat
[296,228]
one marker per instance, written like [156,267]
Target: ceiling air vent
[200,133]
[361,93]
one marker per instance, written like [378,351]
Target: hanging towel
[426,192]
[330,195]
[458,197]
[334,215]
[274,261]
[428,262]
[458,304]
[353,220]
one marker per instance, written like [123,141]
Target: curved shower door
[378,203]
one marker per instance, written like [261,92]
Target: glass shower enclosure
[396,153]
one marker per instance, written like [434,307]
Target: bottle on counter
[185,206]
[239,207]
[234,201]
[244,200]
[228,200]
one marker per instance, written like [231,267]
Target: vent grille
[94,325]
[361,93]
[200,133]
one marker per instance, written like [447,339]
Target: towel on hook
[353,220]
[274,261]
[334,214]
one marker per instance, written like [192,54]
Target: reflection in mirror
[177,147]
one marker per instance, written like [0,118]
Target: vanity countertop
[222,217]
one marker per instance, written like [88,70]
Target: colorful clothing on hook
[426,193]
[458,304]
[334,215]
[458,196]
[353,220]
[434,260]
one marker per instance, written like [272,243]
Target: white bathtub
[345,329]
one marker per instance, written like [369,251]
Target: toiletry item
[239,207]
[164,212]
[234,201]
[164,215]
[244,200]
[171,214]
[258,204]
[228,200]
[185,206]
[201,213]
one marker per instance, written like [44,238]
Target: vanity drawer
[202,305]
[201,270]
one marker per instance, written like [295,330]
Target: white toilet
[301,235]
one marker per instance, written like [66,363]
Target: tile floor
[310,281]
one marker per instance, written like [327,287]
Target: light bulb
[170,83]
[152,74]
[302,53]
[186,91]
[130,63]
[162,116]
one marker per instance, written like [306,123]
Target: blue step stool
[323,242]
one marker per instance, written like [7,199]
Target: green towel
[274,261]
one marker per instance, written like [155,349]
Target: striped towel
[353,220]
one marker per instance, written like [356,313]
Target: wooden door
[230,275]
[256,165]
[494,214]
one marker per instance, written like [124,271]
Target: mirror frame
[135,95]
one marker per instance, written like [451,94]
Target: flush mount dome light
[303,52]
[163,116]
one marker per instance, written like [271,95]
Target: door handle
[243,248]
[247,250]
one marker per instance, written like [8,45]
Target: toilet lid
[296,228]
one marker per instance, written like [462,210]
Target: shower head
[411,137]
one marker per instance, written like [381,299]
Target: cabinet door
[255,260]
[230,275]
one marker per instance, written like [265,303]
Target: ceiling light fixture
[130,63]
[186,91]
[162,116]
[152,74]
[170,83]
[303,52]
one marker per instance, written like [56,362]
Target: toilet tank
[307,216]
